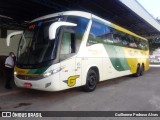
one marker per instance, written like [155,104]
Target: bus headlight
[15,73]
[49,73]
[46,74]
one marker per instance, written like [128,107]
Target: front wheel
[91,81]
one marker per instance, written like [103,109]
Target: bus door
[67,60]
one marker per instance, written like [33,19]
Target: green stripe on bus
[117,57]
[38,71]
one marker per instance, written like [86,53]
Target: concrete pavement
[120,94]
[4,91]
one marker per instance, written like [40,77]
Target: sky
[152,6]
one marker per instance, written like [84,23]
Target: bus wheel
[142,70]
[91,81]
[138,72]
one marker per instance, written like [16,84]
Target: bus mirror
[54,26]
[11,35]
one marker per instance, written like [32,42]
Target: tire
[142,70]
[91,81]
[138,72]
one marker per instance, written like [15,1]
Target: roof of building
[18,12]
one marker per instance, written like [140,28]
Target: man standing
[9,67]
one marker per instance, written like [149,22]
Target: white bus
[74,48]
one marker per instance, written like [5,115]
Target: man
[9,67]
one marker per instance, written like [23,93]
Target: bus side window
[132,42]
[68,43]
[68,47]
[108,38]
[116,38]
[65,44]
[144,45]
[125,41]
[92,39]
[137,41]
[79,30]
[99,33]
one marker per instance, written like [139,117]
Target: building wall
[4,49]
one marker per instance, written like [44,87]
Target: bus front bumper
[45,84]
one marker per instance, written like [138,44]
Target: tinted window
[100,33]
[35,46]
[72,36]
[81,25]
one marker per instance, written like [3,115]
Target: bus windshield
[37,49]
[35,46]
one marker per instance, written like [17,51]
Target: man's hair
[10,53]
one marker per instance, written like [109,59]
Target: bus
[74,48]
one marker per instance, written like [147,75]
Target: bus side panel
[146,60]
[68,76]
[89,63]
[92,57]
[135,57]
[78,70]
[116,64]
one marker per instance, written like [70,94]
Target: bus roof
[89,16]
[74,13]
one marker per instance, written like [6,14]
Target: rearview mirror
[54,26]
[11,35]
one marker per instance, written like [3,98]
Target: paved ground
[121,94]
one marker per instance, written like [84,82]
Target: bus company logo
[71,80]
[6,114]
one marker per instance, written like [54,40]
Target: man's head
[11,54]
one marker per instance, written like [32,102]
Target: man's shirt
[9,62]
